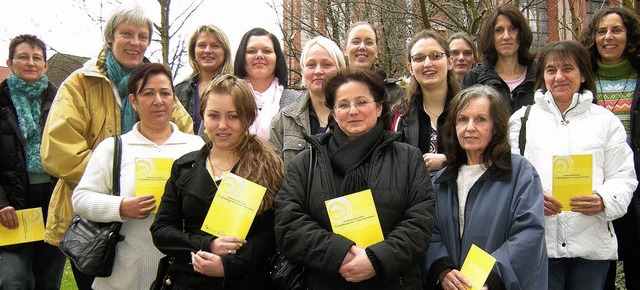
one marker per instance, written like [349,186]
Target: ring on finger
[229,252]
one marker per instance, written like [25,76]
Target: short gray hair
[126,14]
[331,47]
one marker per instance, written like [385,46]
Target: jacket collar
[319,140]
[449,174]
[579,104]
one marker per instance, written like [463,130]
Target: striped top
[616,84]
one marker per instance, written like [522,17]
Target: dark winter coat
[176,231]
[14,180]
[403,196]
[485,74]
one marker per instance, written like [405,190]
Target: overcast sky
[66,27]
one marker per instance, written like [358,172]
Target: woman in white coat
[154,136]
[564,121]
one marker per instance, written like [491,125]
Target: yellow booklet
[30,228]
[354,216]
[477,266]
[151,177]
[234,207]
[572,176]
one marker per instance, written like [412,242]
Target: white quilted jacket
[585,128]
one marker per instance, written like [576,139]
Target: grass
[68,283]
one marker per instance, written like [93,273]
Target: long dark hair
[525,36]
[239,65]
[499,144]
[631,22]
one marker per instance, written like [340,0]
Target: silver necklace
[432,113]
[216,166]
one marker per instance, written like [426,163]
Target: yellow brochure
[30,228]
[572,176]
[151,177]
[234,207]
[354,216]
[477,266]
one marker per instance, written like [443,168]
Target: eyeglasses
[419,57]
[346,107]
[25,59]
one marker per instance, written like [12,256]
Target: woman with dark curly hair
[613,41]
[508,66]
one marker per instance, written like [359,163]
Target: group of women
[443,164]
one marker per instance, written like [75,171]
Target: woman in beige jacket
[90,106]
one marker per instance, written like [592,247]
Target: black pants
[628,251]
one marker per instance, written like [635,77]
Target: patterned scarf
[26,98]
[120,76]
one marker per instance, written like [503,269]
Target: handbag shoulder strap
[310,176]
[117,160]
[522,138]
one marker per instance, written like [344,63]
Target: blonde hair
[227,66]
[327,44]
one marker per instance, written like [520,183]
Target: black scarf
[347,156]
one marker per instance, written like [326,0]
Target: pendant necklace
[223,171]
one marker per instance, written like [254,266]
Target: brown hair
[525,36]
[499,144]
[29,39]
[258,162]
[372,80]
[467,38]
[453,85]
[631,22]
[142,73]
[564,52]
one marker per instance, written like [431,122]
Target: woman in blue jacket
[488,197]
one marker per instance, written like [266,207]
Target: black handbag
[285,274]
[163,280]
[91,246]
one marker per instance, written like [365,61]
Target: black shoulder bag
[285,274]
[92,245]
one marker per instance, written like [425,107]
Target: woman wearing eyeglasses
[464,53]
[433,84]
[508,66]
[25,99]
[358,153]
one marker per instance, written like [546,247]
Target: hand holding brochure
[354,216]
[30,228]
[477,266]
[234,207]
[151,177]
[572,176]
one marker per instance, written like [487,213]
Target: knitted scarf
[616,84]
[26,98]
[119,76]
[347,157]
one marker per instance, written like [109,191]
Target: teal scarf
[120,76]
[26,98]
